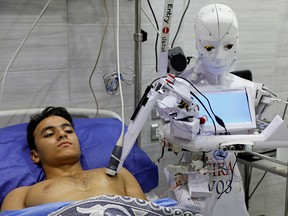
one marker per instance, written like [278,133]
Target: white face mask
[217,37]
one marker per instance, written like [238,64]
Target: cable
[157,36]
[257,185]
[3,77]
[218,119]
[285,110]
[231,179]
[180,23]
[118,71]
[202,102]
[111,80]
[176,126]
[196,98]
[156,28]
[214,125]
[115,159]
[98,57]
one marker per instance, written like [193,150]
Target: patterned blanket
[122,205]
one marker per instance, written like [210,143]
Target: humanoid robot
[216,184]
[212,179]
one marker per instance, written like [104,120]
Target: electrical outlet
[155,114]
[154,132]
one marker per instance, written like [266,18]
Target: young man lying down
[54,145]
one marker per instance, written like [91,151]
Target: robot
[217,40]
[213,178]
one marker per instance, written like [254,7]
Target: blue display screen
[232,106]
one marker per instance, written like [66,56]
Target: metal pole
[247,184]
[268,158]
[286,195]
[138,38]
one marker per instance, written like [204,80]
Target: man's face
[56,142]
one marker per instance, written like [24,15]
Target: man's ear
[34,156]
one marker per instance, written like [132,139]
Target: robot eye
[228,46]
[209,48]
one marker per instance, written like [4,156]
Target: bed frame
[16,116]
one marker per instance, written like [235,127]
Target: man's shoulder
[14,196]
[21,189]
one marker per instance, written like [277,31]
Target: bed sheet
[108,205]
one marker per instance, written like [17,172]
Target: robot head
[217,37]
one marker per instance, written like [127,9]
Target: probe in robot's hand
[111,170]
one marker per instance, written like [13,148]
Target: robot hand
[265,97]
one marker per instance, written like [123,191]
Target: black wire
[249,176]
[200,94]
[231,179]
[218,119]
[171,122]
[201,101]
[285,109]
[157,79]
[180,23]
[215,131]
[162,154]
[214,125]
[157,36]
[257,185]
[209,104]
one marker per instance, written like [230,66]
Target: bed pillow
[97,137]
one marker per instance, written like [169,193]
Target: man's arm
[15,200]
[132,187]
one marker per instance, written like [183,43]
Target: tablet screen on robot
[232,106]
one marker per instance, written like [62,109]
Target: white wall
[54,66]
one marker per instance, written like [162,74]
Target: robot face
[217,56]
[217,37]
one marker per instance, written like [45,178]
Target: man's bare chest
[80,182]
[74,187]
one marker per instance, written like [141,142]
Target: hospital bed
[96,135]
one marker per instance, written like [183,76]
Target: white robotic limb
[265,97]
[275,135]
[138,120]
[143,110]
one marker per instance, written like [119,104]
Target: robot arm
[264,98]
[138,119]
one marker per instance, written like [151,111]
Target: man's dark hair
[37,118]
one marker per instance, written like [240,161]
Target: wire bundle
[111,81]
